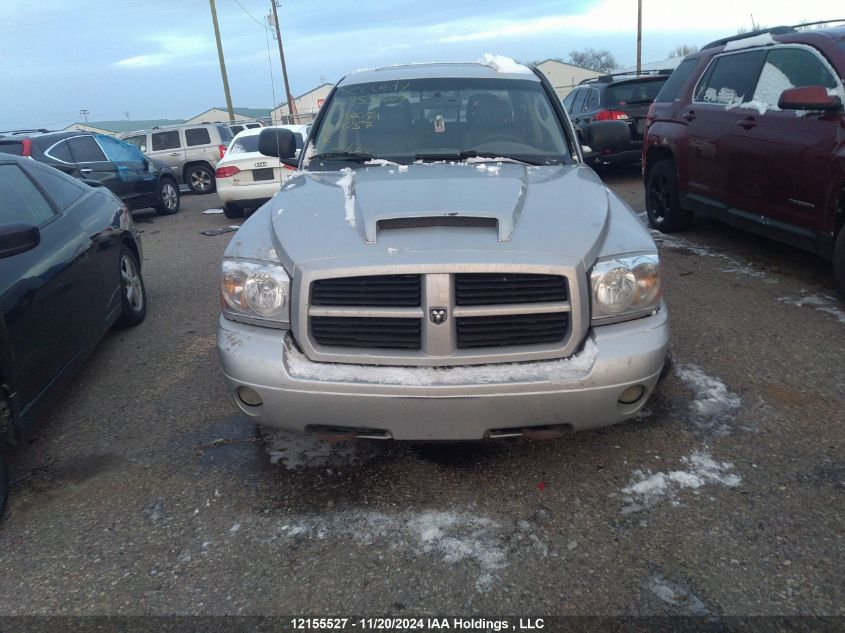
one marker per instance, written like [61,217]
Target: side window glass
[567,101]
[119,152]
[592,100]
[235,129]
[85,150]
[22,202]
[166,140]
[731,78]
[197,136]
[138,141]
[676,80]
[63,189]
[580,97]
[787,68]
[61,151]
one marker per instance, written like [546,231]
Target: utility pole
[639,36]
[222,61]
[291,104]
[84,114]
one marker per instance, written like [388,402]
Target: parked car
[246,178]
[191,150]
[445,267]
[138,181]
[616,97]
[237,128]
[751,130]
[70,268]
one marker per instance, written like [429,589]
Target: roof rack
[775,30]
[31,131]
[633,75]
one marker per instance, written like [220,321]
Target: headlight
[256,292]
[625,287]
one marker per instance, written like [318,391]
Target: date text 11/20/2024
[417,624]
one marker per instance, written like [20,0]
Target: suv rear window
[632,92]
[676,80]
[165,140]
[11,147]
[731,79]
[197,136]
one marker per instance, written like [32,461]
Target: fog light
[631,394]
[249,396]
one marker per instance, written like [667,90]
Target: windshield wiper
[352,157]
[471,153]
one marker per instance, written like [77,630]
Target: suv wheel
[231,211]
[167,197]
[663,201]
[201,179]
[839,261]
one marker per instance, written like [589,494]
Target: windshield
[632,92]
[432,119]
[249,143]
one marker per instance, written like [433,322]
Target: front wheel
[167,196]
[839,262]
[133,295]
[232,212]
[201,179]
[663,200]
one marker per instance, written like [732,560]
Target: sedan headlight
[256,292]
[625,287]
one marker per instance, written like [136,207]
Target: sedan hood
[489,207]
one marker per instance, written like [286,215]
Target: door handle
[174,154]
[85,170]
[748,123]
[689,115]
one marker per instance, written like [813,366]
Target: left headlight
[257,292]
[625,287]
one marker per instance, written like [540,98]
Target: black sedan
[70,268]
[139,181]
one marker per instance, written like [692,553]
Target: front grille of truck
[487,313]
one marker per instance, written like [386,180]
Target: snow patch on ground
[304,451]
[646,489]
[455,537]
[346,184]
[731,265]
[756,40]
[676,595]
[821,303]
[554,371]
[502,64]
[212,211]
[713,405]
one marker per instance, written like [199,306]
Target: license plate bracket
[262,174]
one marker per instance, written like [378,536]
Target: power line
[252,17]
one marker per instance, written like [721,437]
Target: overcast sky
[157,59]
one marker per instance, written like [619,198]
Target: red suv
[751,130]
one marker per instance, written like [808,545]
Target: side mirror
[606,135]
[277,142]
[17,237]
[809,98]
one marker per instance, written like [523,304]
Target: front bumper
[456,403]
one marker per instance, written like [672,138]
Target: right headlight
[256,292]
[625,287]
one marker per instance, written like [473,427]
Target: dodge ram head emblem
[437,315]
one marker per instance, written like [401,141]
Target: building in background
[664,64]
[307,105]
[122,125]
[564,77]
[221,115]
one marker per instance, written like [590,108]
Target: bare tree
[682,50]
[599,60]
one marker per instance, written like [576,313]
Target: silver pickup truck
[442,266]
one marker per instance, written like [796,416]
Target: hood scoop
[405,222]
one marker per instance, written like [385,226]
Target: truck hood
[489,207]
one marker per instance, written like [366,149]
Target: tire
[201,179]
[232,212]
[133,294]
[663,200]
[839,262]
[167,196]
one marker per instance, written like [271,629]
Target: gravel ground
[146,492]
